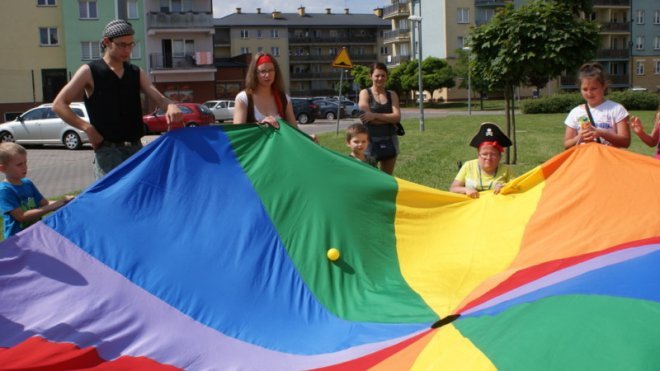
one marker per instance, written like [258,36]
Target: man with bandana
[111,87]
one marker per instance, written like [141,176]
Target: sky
[222,8]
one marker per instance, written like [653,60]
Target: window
[245,34]
[181,48]
[463,15]
[245,50]
[136,53]
[87,9]
[639,43]
[45,2]
[90,50]
[656,43]
[175,6]
[656,17]
[639,67]
[260,49]
[259,34]
[640,16]
[47,36]
[274,34]
[383,50]
[460,42]
[275,51]
[132,9]
[657,68]
[333,51]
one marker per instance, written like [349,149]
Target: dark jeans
[108,157]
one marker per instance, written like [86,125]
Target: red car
[194,114]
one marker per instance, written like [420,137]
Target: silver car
[222,109]
[41,125]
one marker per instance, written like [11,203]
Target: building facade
[305,45]
[179,43]
[645,33]
[33,66]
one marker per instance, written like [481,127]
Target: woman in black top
[381,114]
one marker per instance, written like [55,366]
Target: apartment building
[305,45]
[645,33]
[179,43]
[33,67]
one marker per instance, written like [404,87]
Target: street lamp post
[418,20]
[468,50]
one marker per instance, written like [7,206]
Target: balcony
[490,3]
[307,40]
[613,54]
[169,61]
[396,35]
[396,60]
[597,3]
[615,27]
[397,10]
[190,20]
[329,58]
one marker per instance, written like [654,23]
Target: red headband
[494,144]
[264,59]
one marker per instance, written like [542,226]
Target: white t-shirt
[242,97]
[605,115]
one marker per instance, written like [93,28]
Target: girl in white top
[610,124]
[265,84]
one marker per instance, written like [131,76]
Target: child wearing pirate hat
[485,172]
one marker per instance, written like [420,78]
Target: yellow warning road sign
[342,60]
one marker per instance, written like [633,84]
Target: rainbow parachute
[207,250]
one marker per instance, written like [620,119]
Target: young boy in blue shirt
[20,201]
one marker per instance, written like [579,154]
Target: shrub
[564,102]
[635,100]
[558,103]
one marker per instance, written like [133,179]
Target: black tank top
[115,107]
[379,130]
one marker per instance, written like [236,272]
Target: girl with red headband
[263,99]
[485,173]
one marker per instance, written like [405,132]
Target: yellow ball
[333,254]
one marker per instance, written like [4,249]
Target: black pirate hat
[489,132]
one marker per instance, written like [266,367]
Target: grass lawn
[430,158]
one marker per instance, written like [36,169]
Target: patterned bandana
[118,28]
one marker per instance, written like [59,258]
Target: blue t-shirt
[26,196]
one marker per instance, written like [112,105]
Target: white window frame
[640,14]
[259,34]
[274,34]
[85,8]
[639,67]
[245,34]
[460,42]
[656,17]
[275,51]
[50,32]
[657,67]
[639,43]
[384,50]
[245,50]
[656,43]
[132,10]
[46,3]
[136,53]
[90,50]
[182,47]
[462,15]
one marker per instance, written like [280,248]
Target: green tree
[361,76]
[537,41]
[394,80]
[463,70]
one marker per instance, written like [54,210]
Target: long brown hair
[252,79]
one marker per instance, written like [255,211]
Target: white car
[41,125]
[222,109]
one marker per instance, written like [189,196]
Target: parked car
[194,114]
[305,110]
[352,109]
[41,125]
[328,109]
[222,109]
